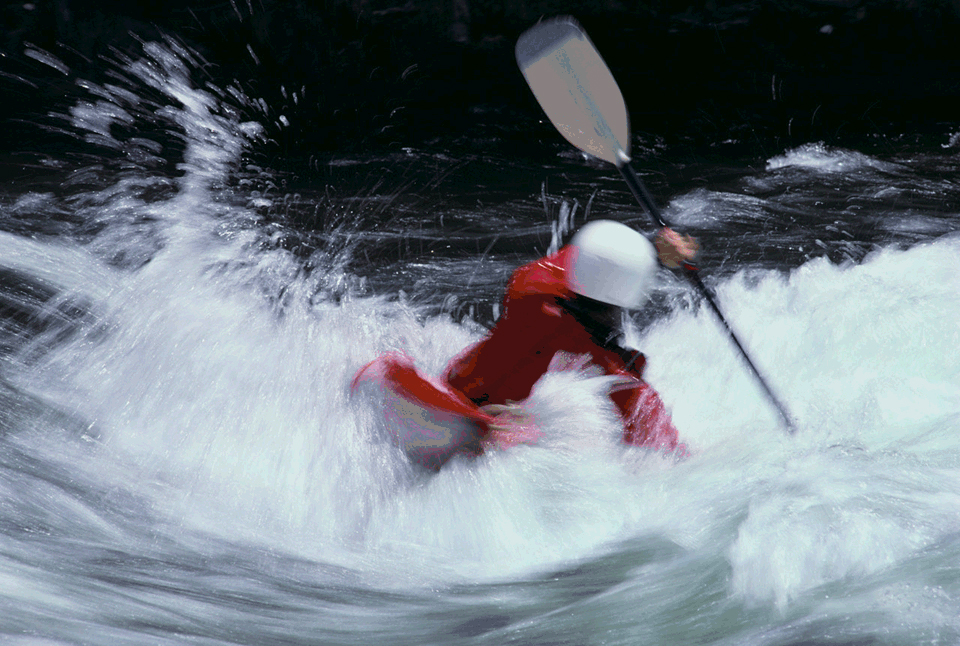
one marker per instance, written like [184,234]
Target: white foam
[863,356]
[819,157]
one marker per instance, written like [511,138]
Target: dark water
[181,460]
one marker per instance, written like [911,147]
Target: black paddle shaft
[693,275]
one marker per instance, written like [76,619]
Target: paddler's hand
[675,249]
[512,425]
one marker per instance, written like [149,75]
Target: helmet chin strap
[600,319]
[602,322]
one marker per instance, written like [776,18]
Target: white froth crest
[820,157]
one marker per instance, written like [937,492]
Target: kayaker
[572,301]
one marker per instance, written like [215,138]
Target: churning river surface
[181,460]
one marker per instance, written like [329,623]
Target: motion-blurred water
[181,460]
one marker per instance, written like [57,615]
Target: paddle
[580,96]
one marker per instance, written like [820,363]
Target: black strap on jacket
[602,323]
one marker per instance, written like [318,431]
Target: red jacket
[534,326]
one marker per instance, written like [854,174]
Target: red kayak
[431,421]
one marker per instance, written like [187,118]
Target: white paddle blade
[575,88]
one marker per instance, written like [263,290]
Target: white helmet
[612,263]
